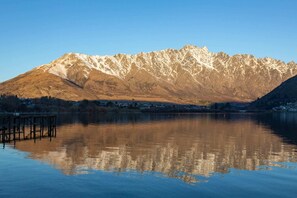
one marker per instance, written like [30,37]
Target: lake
[157,155]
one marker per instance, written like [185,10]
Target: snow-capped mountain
[188,75]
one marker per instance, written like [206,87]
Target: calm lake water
[165,155]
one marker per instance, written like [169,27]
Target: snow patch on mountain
[167,64]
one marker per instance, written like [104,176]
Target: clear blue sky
[35,32]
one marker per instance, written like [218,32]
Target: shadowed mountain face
[183,147]
[285,93]
[189,75]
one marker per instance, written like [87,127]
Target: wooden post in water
[23,127]
[31,127]
[3,136]
[14,129]
[34,128]
[9,129]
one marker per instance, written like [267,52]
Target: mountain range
[188,75]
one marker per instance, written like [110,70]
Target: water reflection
[178,146]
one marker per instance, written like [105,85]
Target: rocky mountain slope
[188,75]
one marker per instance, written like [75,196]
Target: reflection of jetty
[26,127]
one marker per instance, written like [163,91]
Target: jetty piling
[27,127]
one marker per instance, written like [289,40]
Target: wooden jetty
[26,127]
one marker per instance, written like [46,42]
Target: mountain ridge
[284,94]
[188,75]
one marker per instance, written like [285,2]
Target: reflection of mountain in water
[179,147]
